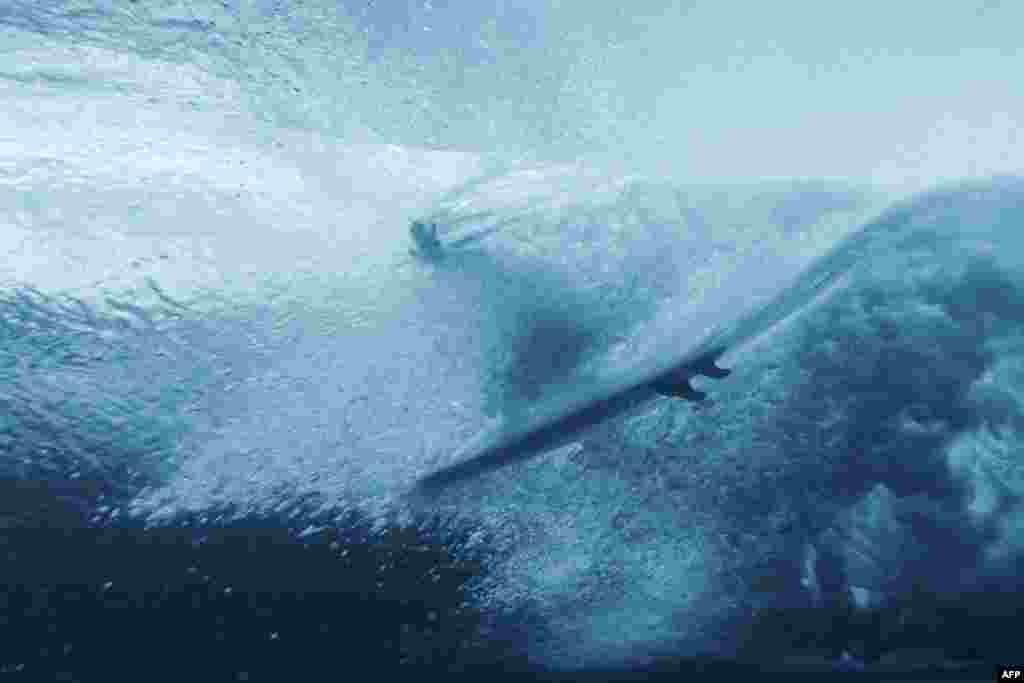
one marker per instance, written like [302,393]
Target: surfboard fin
[679,389]
[677,383]
[706,366]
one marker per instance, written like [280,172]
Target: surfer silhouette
[424,236]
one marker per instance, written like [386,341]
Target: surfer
[428,246]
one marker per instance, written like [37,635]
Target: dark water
[248,600]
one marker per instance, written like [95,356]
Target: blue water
[222,368]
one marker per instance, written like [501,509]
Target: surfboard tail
[679,389]
[709,368]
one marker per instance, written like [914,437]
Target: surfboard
[565,418]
